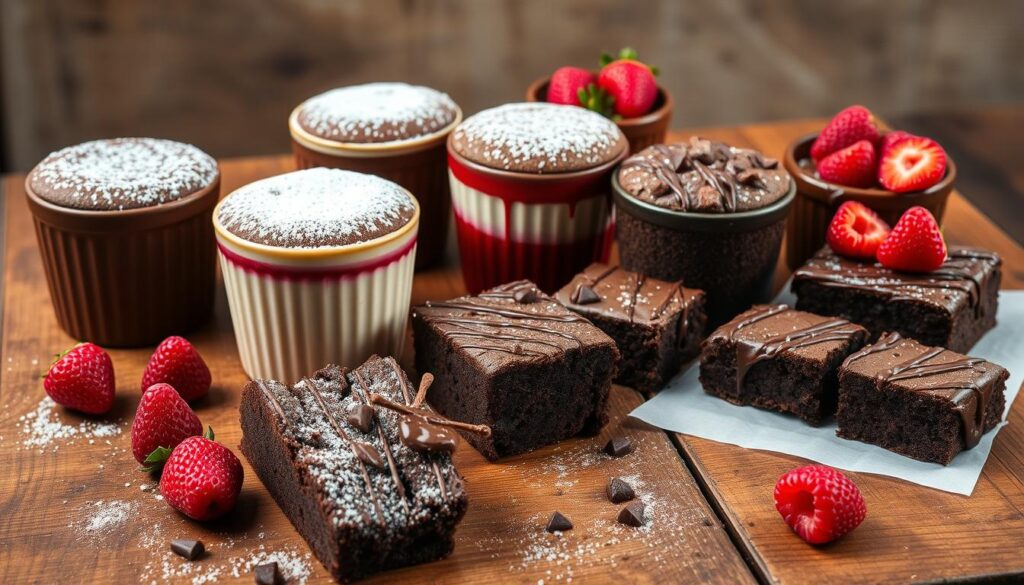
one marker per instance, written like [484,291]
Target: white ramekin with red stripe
[295,310]
[544,227]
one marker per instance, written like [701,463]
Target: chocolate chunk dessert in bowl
[318,268]
[124,232]
[530,192]
[393,130]
[704,213]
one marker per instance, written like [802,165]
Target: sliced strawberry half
[912,163]
[890,138]
[915,243]
[853,166]
[856,231]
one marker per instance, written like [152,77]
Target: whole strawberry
[177,363]
[853,166]
[82,379]
[201,478]
[915,243]
[851,125]
[567,83]
[856,231]
[629,82]
[162,420]
[819,503]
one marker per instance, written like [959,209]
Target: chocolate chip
[751,179]
[526,295]
[360,416]
[190,549]
[632,514]
[267,574]
[584,295]
[619,446]
[620,491]
[558,523]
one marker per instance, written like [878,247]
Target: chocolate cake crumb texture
[538,138]
[316,208]
[704,176]
[377,113]
[122,173]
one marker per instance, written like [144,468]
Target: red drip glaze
[347,272]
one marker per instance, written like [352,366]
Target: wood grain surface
[52,490]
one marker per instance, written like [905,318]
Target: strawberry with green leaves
[162,421]
[629,82]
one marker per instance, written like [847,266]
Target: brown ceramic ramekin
[129,278]
[731,256]
[816,202]
[641,131]
[418,164]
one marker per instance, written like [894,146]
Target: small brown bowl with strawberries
[854,159]
[624,90]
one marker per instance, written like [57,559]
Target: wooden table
[74,509]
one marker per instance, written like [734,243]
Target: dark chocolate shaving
[558,523]
[619,491]
[584,295]
[189,549]
[632,514]
[619,447]
[360,416]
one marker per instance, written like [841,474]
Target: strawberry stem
[209,433]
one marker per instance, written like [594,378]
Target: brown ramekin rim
[539,88]
[329,147]
[811,186]
[124,220]
[740,221]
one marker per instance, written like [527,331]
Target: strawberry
[890,138]
[162,420]
[851,125]
[177,363]
[567,83]
[82,379]
[201,478]
[819,503]
[856,231]
[853,166]
[912,163]
[629,82]
[915,243]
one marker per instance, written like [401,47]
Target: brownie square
[924,402]
[657,325]
[363,500]
[950,307]
[778,358]
[518,361]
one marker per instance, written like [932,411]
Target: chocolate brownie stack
[369,488]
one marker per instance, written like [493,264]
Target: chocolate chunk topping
[368,454]
[619,447]
[267,574]
[418,433]
[632,514]
[558,523]
[526,295]
[585,295]
[189,549]
[360,416]
[619,491]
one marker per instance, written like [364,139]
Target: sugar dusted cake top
[316,208]
[122,173]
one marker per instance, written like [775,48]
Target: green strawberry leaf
[596,99]
[606,58]
[209,433]
[628,53]
[156,459]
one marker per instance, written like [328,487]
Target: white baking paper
[684,407]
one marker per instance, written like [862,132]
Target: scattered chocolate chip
[525,295]
[751,179]
[558,523]
[584,295]
[190,549]
[619,447]
[632,514]
[267,574]
[620,491]
[360,416]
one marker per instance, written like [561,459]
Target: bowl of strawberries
[623,89]
[855,158]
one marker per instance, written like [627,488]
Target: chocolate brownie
[369,488]
[778,358]
[950,307]
[515,359]
[657,325]
[924,402]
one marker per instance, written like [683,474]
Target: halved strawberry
[853,166]
[851,125]
[913,163]
[915,243]
[856,231]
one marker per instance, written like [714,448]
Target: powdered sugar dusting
[538,137]
[43,426]
[105,517]
[316,208]
[377,112]
[122,173]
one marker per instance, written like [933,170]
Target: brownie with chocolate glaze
[951,307]
[778,358]
[515,359]
[928,403]
[657,325]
